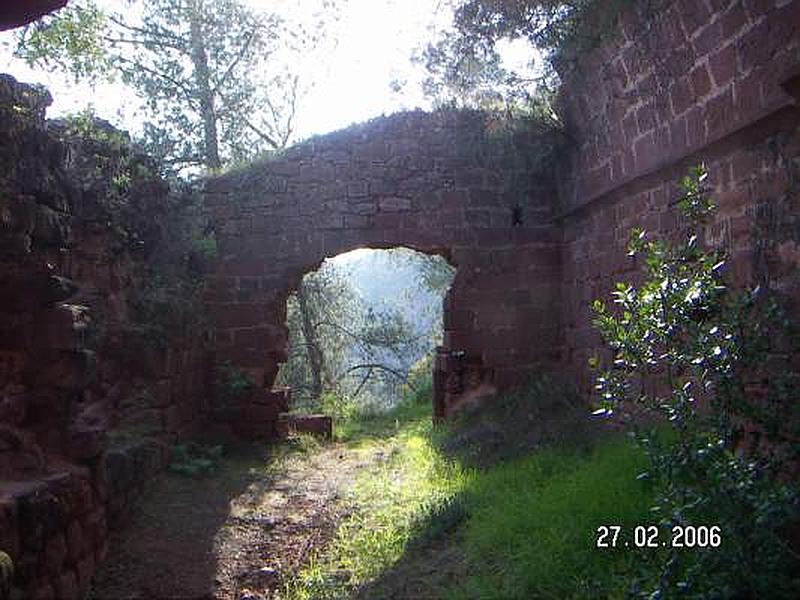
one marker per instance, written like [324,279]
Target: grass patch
[532,523]
[373,427]
[522,527]
[388,502]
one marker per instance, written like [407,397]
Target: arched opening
[363,329]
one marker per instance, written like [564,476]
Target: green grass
[388,501]
[532,523]
[526,527]
[374,427]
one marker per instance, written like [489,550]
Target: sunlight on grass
[533,522]
[528,526]
[388,501]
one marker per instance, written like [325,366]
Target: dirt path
[236,535]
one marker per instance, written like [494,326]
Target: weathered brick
[733,20]
[719,113]
[701,81]
[394,203]
[707,39]
[75,540]
[357,221]
[681,97]
[67,586]
[55,553]
[722,64]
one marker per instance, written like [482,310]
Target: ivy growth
[698,359]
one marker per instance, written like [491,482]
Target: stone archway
[437,183]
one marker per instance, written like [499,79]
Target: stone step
[290,424]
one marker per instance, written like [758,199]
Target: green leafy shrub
[691,353]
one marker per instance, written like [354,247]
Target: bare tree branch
[399,374]
[178,84]
[265,136]
[232,66]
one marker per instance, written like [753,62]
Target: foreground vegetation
[511,530]
[700,507]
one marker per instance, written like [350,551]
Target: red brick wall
[438,183]
[687,82]
[694,81]
[87,405]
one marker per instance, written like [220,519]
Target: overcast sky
[373,41]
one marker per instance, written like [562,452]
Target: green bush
[690,353]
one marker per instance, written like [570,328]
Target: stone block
[41,514]
[241,315]
[55,554]
[723,65]
[719,113]
[51,227]
[357,221]
[95,527]
[85,571]
[86,443]
[171,419]
[321,425]
[66,370]
[43,592]
[75,540]
[256,431]
[61,327]
[118,468]
[26,570]
[66,586]
[9,527]
[142,421]
[394,204]
[101,552]
[13,407]
[260,413]
[160,395]
[278,396]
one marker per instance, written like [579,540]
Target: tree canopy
[464,63]
[215,77]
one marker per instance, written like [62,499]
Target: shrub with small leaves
[691,376]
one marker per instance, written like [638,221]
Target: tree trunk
[315,358]
[202,81]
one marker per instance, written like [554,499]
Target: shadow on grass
[168,546]
[543,413]
[505,435]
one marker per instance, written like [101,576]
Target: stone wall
[90,392]
[676,84]
[450,183]
[689,82]
[99,372]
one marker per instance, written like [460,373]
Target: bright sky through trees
[352,76]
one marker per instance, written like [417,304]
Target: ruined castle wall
[689,82]
[444,183]
[89,399]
